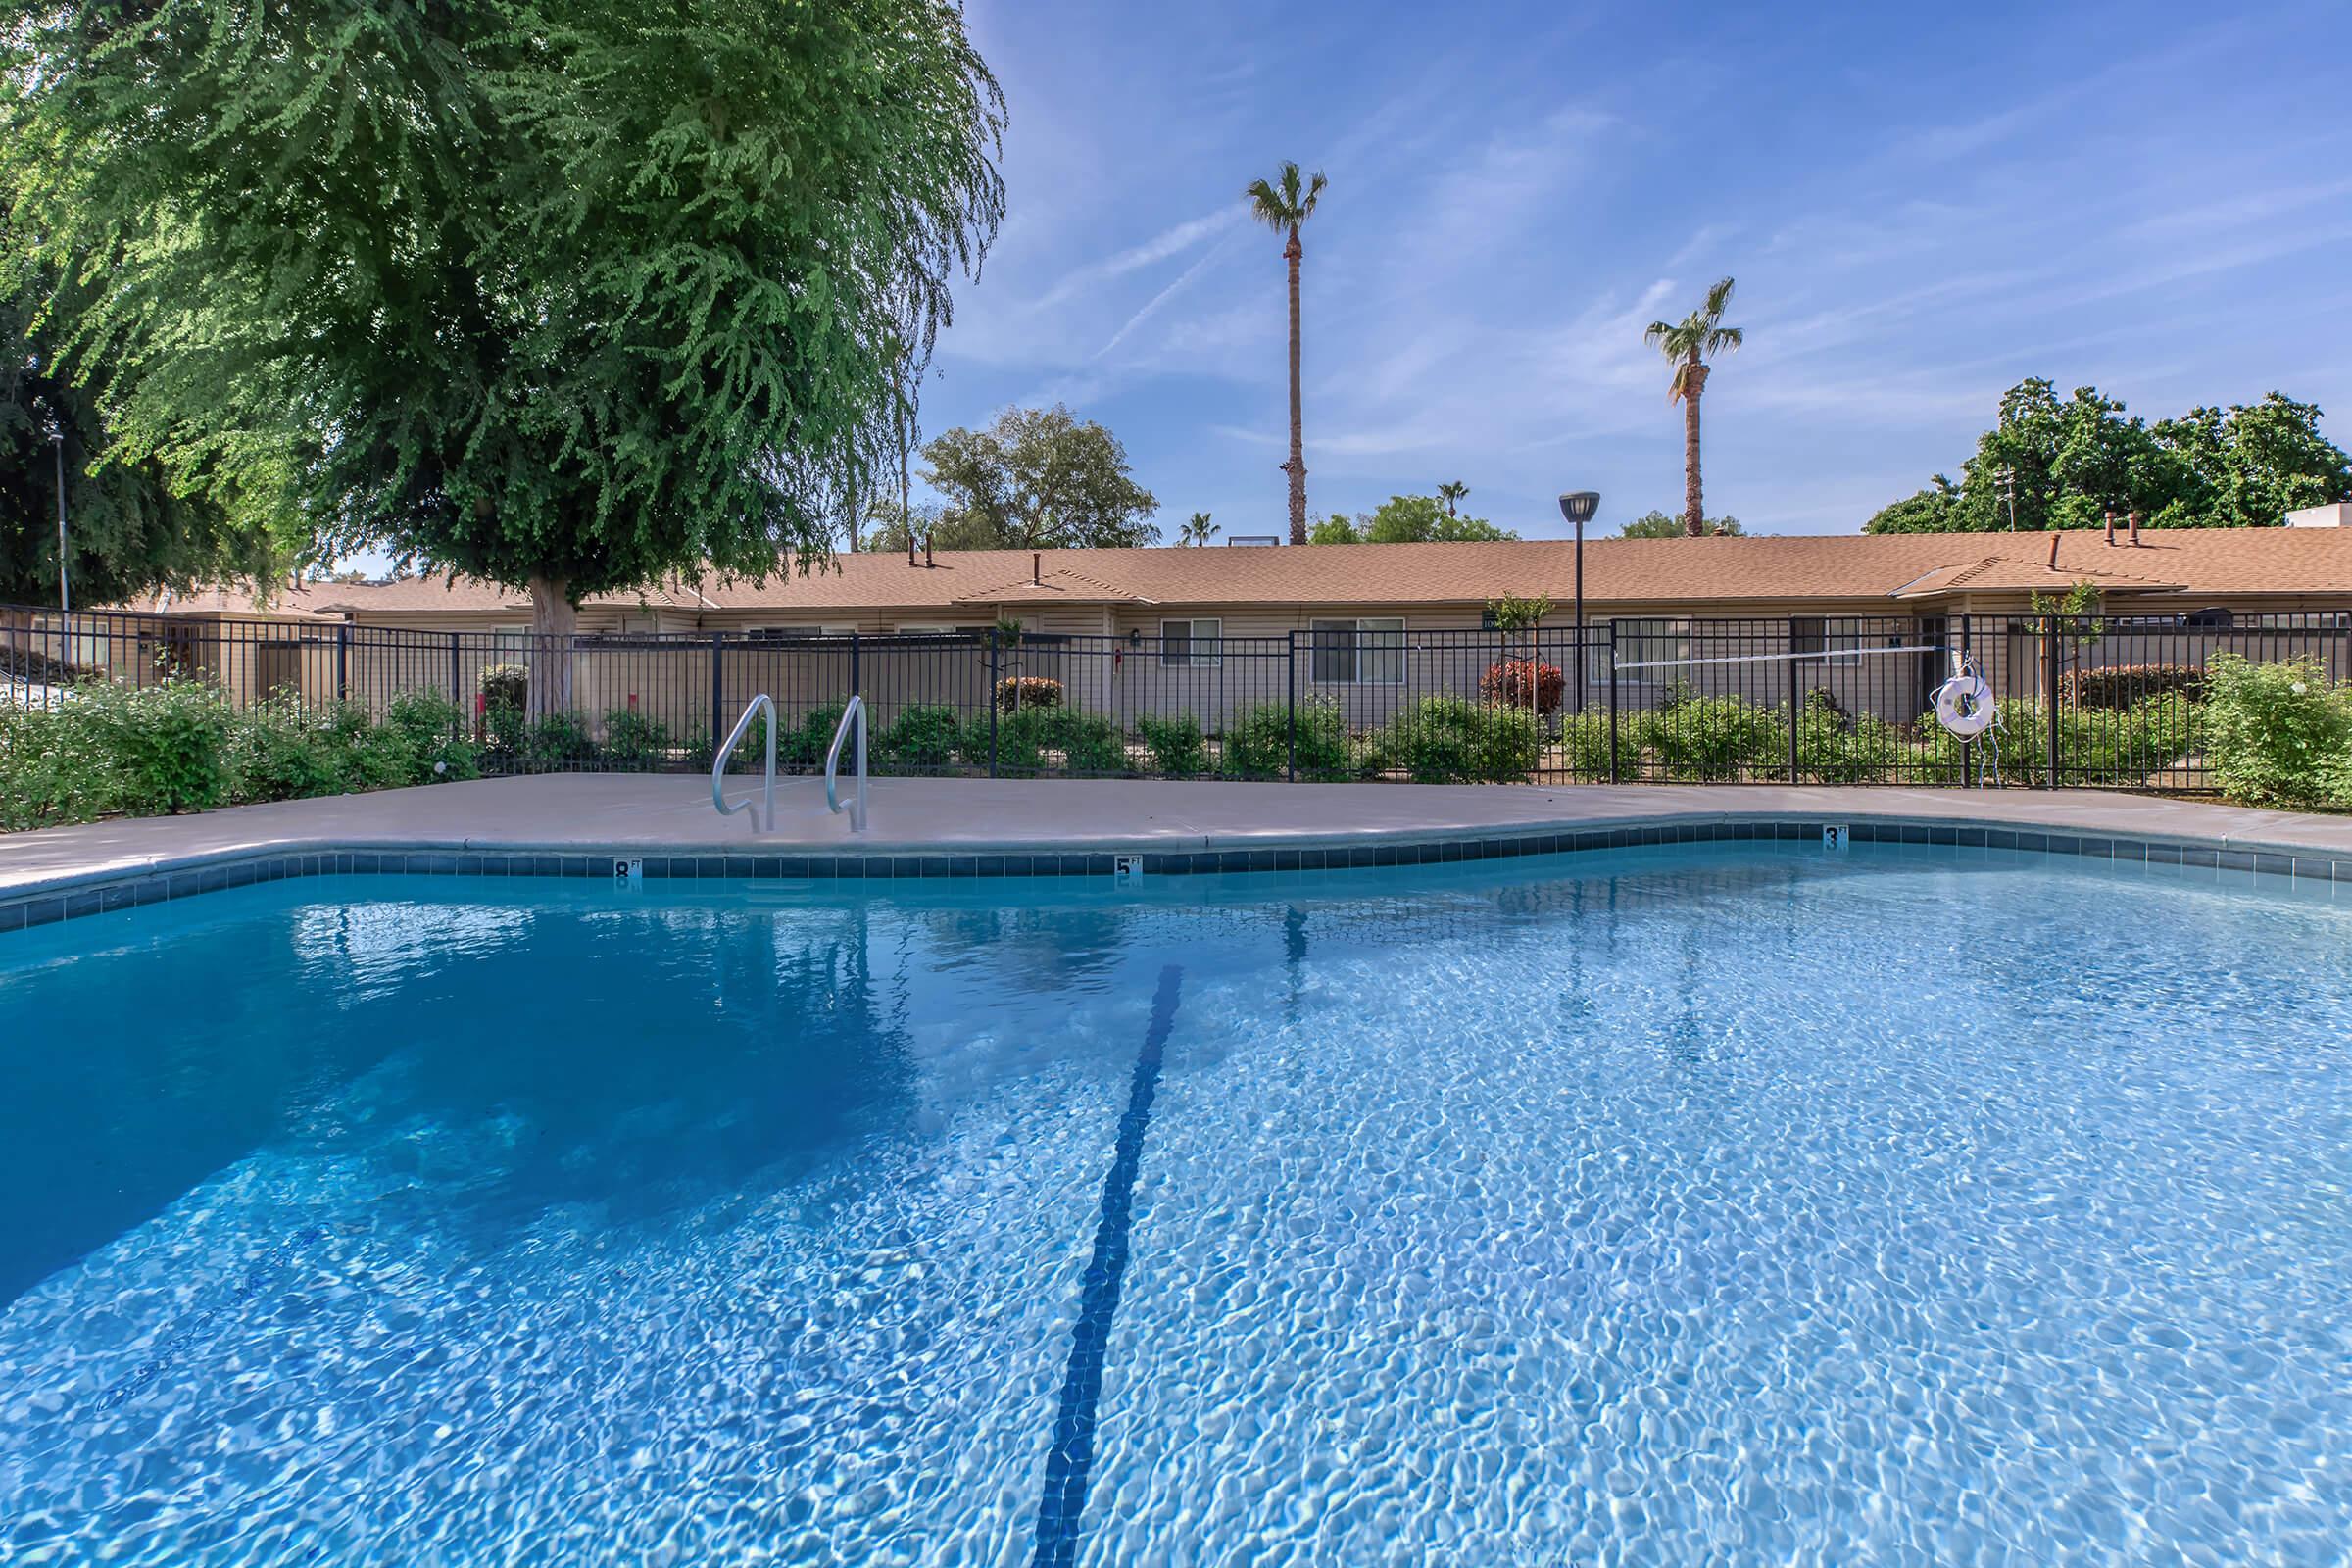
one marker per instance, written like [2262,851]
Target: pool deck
[666,814]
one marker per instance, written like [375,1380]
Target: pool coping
[66,896]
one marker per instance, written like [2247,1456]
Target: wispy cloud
[1172,241]
[1152,306]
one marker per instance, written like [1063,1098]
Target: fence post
[2050,659]
[719,702]
[1794,708]
[455,701]
[343,663]
[856,665]
[1612,702]
[992,701]
[1290,703]
[1967,746]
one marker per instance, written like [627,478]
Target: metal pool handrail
[718,763]
[854,714]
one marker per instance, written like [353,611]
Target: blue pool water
[1740,1206]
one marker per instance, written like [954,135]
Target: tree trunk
[1694,515]
[555,621]
[1297,466]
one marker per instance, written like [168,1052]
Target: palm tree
[1198,530]
[1686,344]
[1281,206]
[1451,491]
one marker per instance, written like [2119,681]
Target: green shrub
[926,737]
[168,745]
[1019,747]
[1258,744]
[1585,747]
[1717,739]
[1451,740]
[634,743]
[1087,744]
[278,751]
[50,770]
[807,746]
[1832,749]
[430,732]
[2277,734]
[2114,747]
[1177,746]
[558,742]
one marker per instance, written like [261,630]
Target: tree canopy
[1655,524]
[1036,479]
[2072,461]
[129,530]
[1405,520]
[561,295]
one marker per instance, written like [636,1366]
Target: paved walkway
[610,812]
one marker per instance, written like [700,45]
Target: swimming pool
[1735,1203]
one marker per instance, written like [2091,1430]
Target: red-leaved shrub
[1512,681]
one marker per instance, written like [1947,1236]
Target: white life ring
[1965,706]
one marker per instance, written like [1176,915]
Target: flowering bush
[1017,692]
[2277,734]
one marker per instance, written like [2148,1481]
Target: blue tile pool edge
[69,897]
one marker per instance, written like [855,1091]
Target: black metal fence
[2110,701]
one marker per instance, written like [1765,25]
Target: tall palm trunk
[1694,515]
[1297,466]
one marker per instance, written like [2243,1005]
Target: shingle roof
[1695,572]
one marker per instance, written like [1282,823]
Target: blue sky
[1922,204]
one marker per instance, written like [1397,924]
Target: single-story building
[1210,631]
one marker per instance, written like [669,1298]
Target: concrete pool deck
[580,815]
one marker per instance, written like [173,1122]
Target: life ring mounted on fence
[1965,704]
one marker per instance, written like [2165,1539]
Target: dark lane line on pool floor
[1070,1461]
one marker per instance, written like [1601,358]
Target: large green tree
[128,528]
[1036,479]
[1687,345]
[562,294]
[2052,462]
[1406,521]
[1283,204]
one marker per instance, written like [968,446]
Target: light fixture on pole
[1578,507]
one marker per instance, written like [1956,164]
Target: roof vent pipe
[1037,567]
[910,541]
[2053,549]
[2135,531]
[2110,530]
[927,560]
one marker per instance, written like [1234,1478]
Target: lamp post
[1578,507]
[64,601]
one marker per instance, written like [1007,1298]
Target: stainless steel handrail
[718,763]
[854,714]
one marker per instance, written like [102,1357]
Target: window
[1647,652]
[1196,642]
[945,631]
[1365,652]
[796,634]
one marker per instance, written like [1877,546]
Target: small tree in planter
[1526,681]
